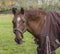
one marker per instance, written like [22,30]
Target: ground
[7,43]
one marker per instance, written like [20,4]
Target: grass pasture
[7,43]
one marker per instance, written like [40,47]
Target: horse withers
[31,21]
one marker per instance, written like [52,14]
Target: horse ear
[14,10]
[22,11]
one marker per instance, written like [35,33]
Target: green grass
[7,43]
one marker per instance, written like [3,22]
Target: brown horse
[31,21]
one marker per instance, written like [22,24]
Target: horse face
[19,25]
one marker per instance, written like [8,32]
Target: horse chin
[18,41]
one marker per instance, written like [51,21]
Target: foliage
[53,5]
[5,4]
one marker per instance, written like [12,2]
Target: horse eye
[23,21]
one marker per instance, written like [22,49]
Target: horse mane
[34,12]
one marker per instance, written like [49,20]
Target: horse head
[19,25]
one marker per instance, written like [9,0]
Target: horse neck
[35,26]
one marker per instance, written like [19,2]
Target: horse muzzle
[18,38]
[18,41]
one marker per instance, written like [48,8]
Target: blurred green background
[30,4]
